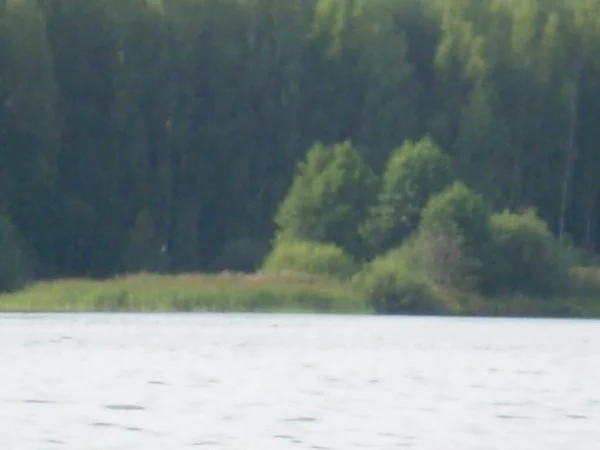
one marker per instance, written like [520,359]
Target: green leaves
[313,258]
[454,237]
[527,258]
[328,198]
[414,172]
[458,206]
[198,111]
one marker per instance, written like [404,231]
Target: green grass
[289,293]
[224,292]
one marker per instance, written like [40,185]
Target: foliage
[528,260]
[454,235]
[328,197]
[199,111]
[144,252]
[310,257]
[242,255]
[13,259]
[392,287]
[415,172]
[442,255]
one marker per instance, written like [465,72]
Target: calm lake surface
[257,382]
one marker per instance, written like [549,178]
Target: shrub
[393,288]
[528,260]
[310,257]
[441,254]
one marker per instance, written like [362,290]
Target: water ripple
[103,424]
[300,419]
[125,407]
[576,416]
[36,401]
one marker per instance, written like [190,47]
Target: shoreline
[258,293]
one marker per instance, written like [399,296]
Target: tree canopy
[153,133]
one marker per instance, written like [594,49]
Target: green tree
[414,172]
[328,198]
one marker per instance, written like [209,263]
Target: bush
[453,237]
[528,260]
[242,255]
[310,257]
[393,288]
[414,172]
[13,261]
[441,254]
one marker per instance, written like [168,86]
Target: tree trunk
[571,145]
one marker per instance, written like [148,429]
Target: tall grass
[226,292]
[282,292]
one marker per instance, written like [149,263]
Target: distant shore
[232,292]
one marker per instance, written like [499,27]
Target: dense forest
[159,134]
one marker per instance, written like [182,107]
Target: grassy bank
[230,292]
[194,292]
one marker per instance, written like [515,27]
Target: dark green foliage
[394,288]
[144,251]
[242,255]
[454,236]
[415,172]
[312,258]
[13,259]
[442,255]
[527,259]
[459,207]
[328,198]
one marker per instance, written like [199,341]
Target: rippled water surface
[257,382]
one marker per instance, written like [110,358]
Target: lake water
[260,382]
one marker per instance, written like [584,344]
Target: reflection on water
[255,382]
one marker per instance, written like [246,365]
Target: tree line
[161,134]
